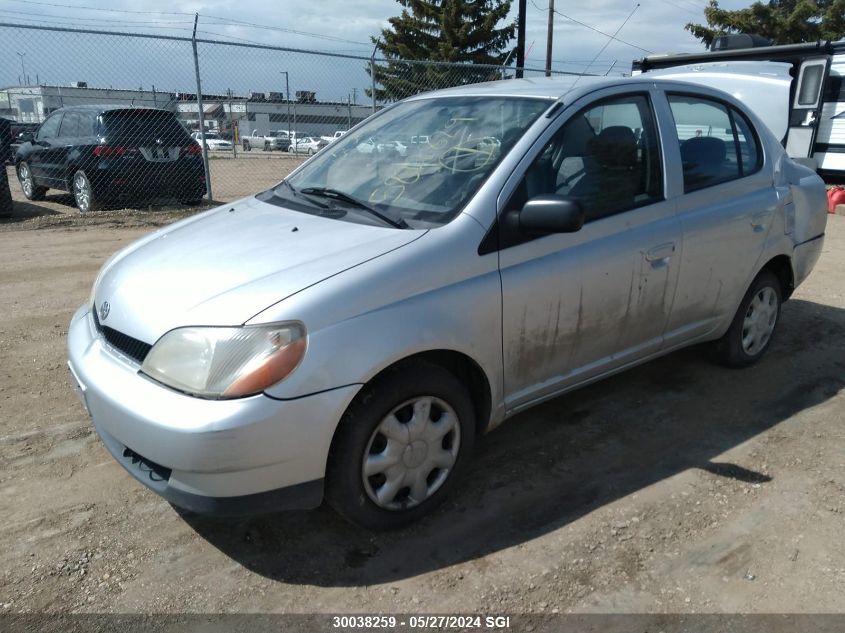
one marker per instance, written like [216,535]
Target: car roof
[552,88]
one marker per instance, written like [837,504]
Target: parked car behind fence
[104,155]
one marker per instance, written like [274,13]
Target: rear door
[726,211]
[806,108]
[55,161]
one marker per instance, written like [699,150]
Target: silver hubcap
[26,179]
[82,192]
[411,453]
[759,322]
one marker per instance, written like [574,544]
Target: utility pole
[23,70]
[520,40]
[549,38]
[287,98]
[232,125]
[348,112]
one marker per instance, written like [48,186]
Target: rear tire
[266,146]
[246,146]
[83,193]
[754,324]
[30,189]
[400,447]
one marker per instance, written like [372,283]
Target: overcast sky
[343,26]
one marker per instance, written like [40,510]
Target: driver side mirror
[551,213]
[26,137]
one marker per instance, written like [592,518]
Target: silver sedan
[349,333]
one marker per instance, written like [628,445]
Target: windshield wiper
[334,194]
[296,193]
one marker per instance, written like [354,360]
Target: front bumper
[249,455]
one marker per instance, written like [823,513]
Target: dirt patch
[676,486]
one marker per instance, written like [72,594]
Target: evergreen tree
[782,21]
[441,31]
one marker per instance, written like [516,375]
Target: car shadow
[559,461]
[22,211]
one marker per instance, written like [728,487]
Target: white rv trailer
[797,89]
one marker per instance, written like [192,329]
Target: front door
[580,304]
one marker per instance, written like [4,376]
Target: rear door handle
[660,252]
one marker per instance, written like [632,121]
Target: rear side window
[144,126]
[717,143]
[70,125]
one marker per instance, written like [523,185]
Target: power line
[592,28]
[221,20]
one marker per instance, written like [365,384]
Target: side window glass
[708,147]
[606,156]
[49,128]
[750,156]
[70,125]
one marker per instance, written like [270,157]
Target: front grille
[125,344]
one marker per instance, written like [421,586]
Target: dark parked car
[104,155]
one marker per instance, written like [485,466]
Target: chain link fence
[231,119]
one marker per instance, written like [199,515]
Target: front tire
[246,146]
[28,186]
[83,192]
[754,324]
[400,447]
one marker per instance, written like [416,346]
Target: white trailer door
[806,106]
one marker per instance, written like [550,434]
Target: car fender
[366,319]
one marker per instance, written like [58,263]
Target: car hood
[230,264]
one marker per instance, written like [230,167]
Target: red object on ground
[835,195]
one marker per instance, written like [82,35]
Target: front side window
[717,142]
[421,184]
[50,128]
[606,156]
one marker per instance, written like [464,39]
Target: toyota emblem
[105,308]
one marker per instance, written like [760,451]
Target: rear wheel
[266,146]
[246,146]
[753,325]
[30,189]
[83,192]
[400,447]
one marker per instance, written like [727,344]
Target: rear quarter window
[144,125]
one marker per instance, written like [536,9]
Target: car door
[581,304]
[726,210]
[56,156]
[39,158]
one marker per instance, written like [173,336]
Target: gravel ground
[678,486]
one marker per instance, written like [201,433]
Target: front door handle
[661,252]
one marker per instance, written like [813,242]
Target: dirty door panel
[576,305]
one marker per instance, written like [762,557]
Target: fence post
[201,113]
[232,125]
[373,75]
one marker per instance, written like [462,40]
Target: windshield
[421,160]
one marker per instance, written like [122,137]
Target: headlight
[226,362]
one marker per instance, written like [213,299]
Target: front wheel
[310,151]
[246,146]
[30,189]
[400,447]
[83,193]
[754,324]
